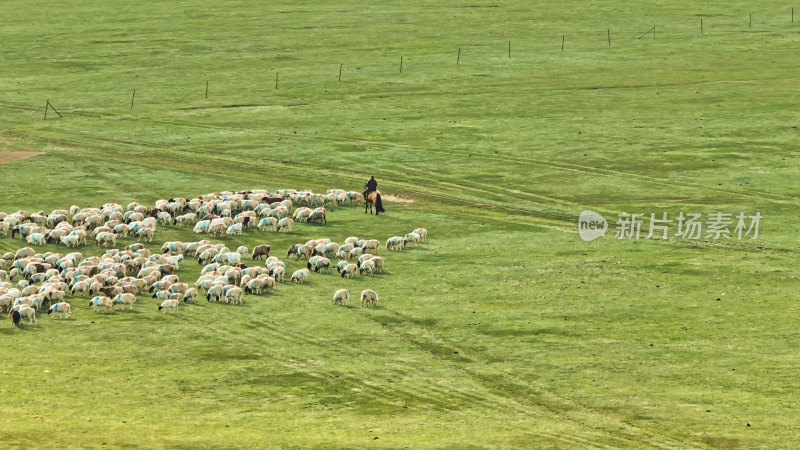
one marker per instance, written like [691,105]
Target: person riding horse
[370,185]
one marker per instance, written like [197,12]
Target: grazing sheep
[178,287]
[355,197]
[343,253]
[101,302]
[254,286]
[15,317]
[190,295]
[165,218]
[395,243]
[305,251]
[367,267]
[202,226]
[36,239]
[26,312]
[80,286]
[167,305]
[6,300]
[105,238]
[278,273]
[422,233]
[341,297]
[377,261]
[318,263]
[301,214]
[261,250]
[267,222]
[284,224]
[411,238]
[71,240]
[25,252]
[317,215]
[234,295]
[301,275]
[369,298]
[325,249]
[214,291]
[125,299]
[356,252]
[173,247]
[235,230]
[368,244]
[63,309]
[185,218]
[349,270]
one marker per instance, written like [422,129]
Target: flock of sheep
[31,281]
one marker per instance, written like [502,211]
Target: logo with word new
[591,225]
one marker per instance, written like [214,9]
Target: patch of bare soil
[392,198]
[8,157]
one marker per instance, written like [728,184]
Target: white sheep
[101,302]
[349,270]
[394,243]
[167,305]
[411,238]
[63,309]
[278,272]
[367,267]
[125,299]
[234,295]
[284,224]
[318,263]
[341,297]
[422,233]
[356,252]
[301,275]
[36,239]
[377,261]
[369,298]
[234,230]
[26,312]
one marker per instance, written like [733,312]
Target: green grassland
[503,329]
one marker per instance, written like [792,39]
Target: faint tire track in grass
[535,395]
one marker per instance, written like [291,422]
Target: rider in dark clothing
[371,185]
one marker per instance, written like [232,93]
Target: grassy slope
[559,342]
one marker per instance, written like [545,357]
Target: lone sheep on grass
[341,297]
[369,298]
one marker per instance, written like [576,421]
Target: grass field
[504,328]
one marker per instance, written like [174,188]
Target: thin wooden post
[55,110]
[751,21]
[609,37]
[701,26]
[458,58]
[562,42]
[401,64]
[132,97]
[340,72]
[206,89]
[509,49]
[276,80]
[46,107]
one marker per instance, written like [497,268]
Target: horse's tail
[378,204]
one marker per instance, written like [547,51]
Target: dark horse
[373,198]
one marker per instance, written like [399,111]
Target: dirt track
[392,198]
[7,157]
